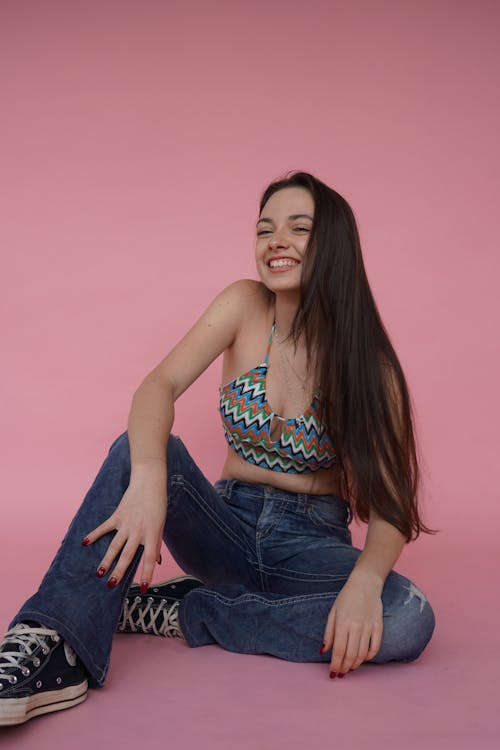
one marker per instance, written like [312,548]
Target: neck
[286,305]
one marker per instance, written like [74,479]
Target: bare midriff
[321,482]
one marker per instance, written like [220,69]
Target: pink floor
[169,695]
[137,138]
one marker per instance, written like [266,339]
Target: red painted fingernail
[101,572]
[333,674]
[341,674]
[144,587]
[159,559]
[112,583]
[323,646]
[86,541]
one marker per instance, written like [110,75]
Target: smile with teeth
[281,262]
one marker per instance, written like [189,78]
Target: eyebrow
[292,217]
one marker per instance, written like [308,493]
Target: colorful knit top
[303,445]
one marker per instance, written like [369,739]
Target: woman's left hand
[355,623]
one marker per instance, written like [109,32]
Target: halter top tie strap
[269,342]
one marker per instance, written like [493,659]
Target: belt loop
[229,488]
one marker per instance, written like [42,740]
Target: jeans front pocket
[331,518]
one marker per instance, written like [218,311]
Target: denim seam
[178,479]
[301,575]
[230,487]
[262,535]
[259,538]
[260,598]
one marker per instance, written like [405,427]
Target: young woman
[317,417]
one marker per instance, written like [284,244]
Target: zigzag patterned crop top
[303,445]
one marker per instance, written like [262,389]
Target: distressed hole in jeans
[414,591]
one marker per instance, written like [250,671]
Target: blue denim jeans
[272,564]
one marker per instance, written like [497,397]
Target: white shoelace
[28,639]
[135,617]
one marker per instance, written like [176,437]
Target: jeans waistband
[267,491]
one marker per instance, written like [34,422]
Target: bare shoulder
[248,291]
[217,330]
[245,297]
[230,305]
[254,293]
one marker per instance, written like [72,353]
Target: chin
[279,282]
[282,286]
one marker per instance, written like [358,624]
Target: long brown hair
[366,406]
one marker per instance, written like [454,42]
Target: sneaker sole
[19,710]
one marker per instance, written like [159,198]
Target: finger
[352,648]
[375,641]
[149,559]
[112,552]
[364,645]
[328,632]
[123,562]
[339,647]
[108,525]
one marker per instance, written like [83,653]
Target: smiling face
[283,230]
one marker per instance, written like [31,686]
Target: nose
[278,238]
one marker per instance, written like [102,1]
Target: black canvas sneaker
[39,673]
[156,611]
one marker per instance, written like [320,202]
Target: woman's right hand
[138,519]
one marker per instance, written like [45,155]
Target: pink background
[136,139]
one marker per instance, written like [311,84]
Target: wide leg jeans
[272,564]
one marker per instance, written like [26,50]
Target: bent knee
[408,626]
[120,444]
[176,451]
[420,624]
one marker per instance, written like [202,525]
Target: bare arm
[149,425]
[355,623]
[383,546]
[152,412]
[140,517]
[384,542]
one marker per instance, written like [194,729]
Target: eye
[296,229]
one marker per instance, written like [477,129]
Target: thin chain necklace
[298,420]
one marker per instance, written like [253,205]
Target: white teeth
[282,262]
